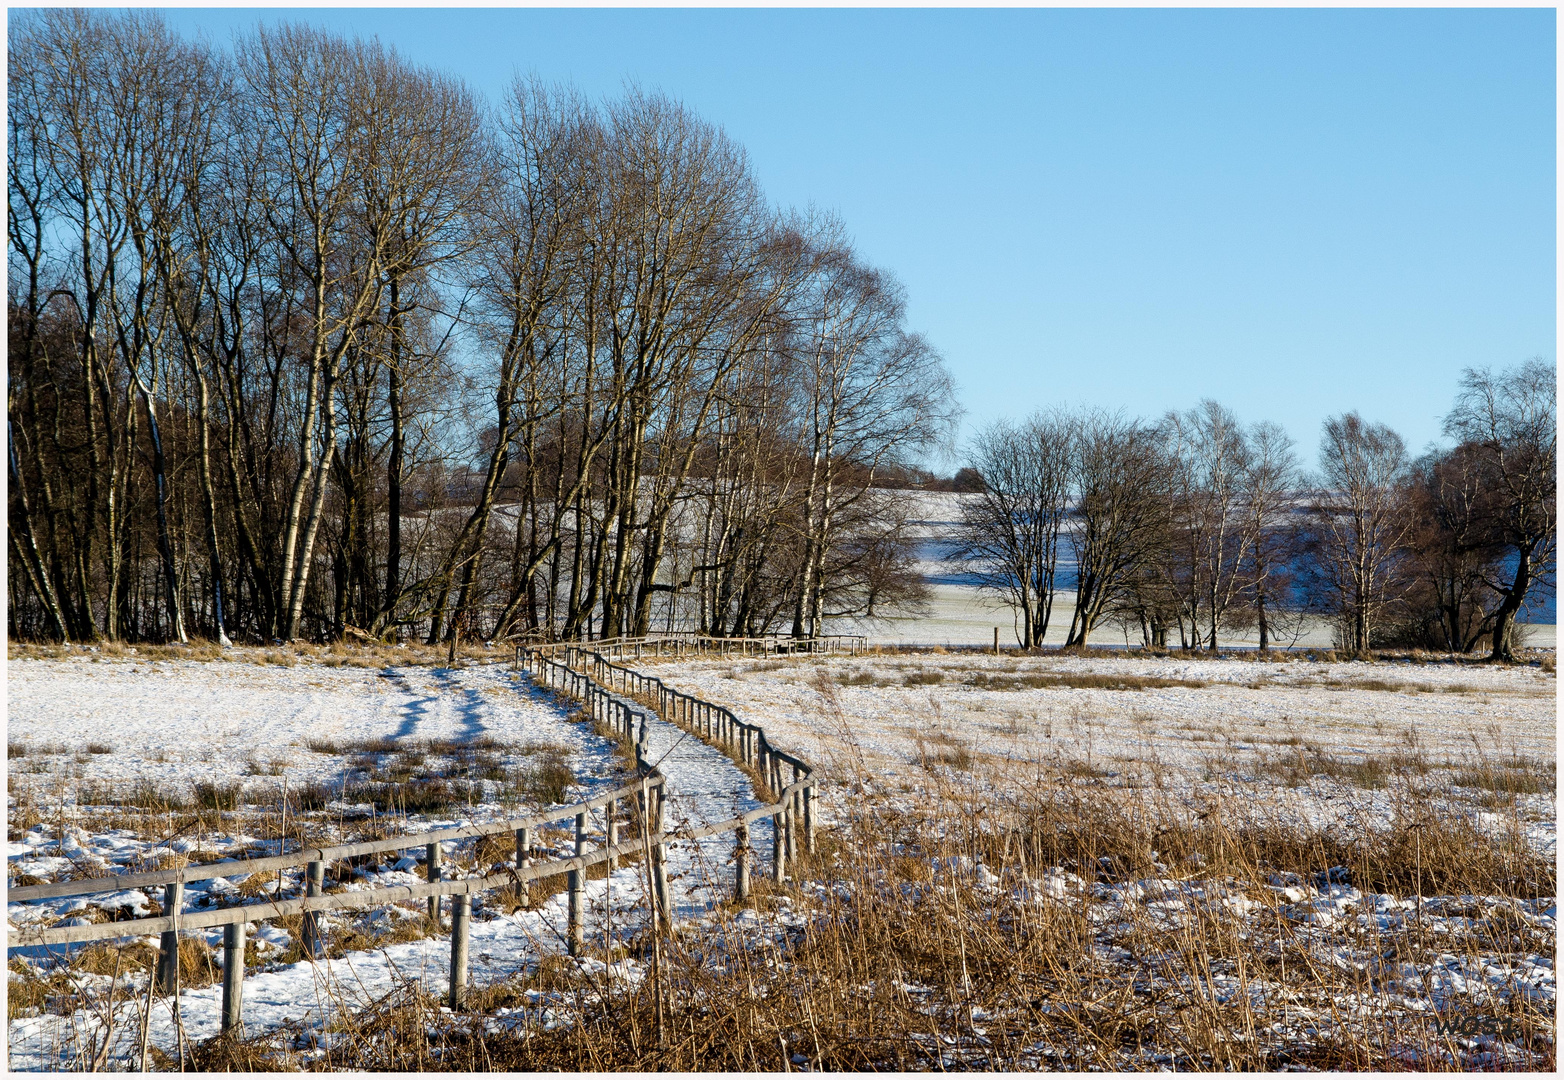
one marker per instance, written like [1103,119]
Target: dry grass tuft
[1044,680]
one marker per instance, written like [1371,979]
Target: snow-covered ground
[181,722]
[882,716]
[1207,731]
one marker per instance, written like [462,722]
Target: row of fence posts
[649,803]
[744,742]
[650,800]
[312,935]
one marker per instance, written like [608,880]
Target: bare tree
[1209,458]
[872,393]
[1509,423]
[304,100]
[1453,554]
[1121,479]
[67,176]
[423,177]
[1268,498]
[1361,522]
[1010,532]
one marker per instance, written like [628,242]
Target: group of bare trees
[1198,524]
[1172,526]
[306,339]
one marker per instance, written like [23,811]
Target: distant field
[964,615]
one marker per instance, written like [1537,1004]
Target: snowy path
[703,786]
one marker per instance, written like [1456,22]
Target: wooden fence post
[741,863]
[791,842]
[314,880]
[792,822]
[168,944]
[660,882]
[657,798]
[432,873]
[461,918]
[577,881]
[778,849]
[233,976]
[523,860]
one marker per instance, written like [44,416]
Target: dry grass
[1043,680]
[910,961]
[1031,680]
[896,955]
[1365,771]
[337,654]
[333,654]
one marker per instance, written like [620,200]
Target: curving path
[703,786]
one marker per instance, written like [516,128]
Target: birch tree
[1010,531]
[1361,522]
[1509,422]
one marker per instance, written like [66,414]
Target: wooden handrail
[272,909]
[304,856]
[664,688]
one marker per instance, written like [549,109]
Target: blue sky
[1295,212]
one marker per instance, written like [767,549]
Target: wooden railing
[744,742]
[644,800]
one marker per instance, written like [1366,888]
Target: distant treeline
[1196,524]
[306,340]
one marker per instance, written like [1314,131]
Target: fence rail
[306,855]
[645,800]
[742,741]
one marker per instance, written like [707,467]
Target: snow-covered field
[1210,725]
[1323,744]
[176,722]
[179,723]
